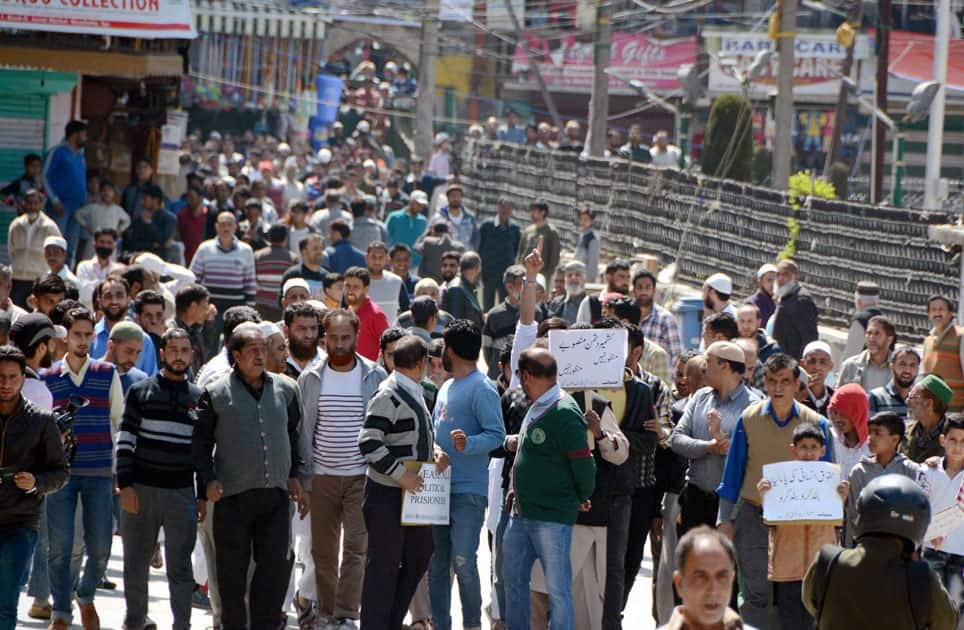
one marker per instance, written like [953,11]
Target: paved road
[110,604]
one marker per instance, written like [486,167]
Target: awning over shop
[240,18]
[912,58]
[98,63]
[36,81]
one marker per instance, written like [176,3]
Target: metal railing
[706,225]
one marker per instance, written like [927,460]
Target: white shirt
[385,291]
[12,311]
[847,457]
[942,493]
[36,391]
[214,368]
[90,274]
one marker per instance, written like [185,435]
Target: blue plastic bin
[690,313]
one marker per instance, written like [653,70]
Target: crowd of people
[248,377]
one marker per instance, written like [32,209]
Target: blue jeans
[456,545]
[39,585]
[550,543]
[16,549]
[96,495]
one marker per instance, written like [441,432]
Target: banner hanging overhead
[147,19]
[566,63]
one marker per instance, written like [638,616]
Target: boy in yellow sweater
[793,547]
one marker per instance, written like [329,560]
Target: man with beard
[124,350]
[25,239]
[434,246]
[904,365]
[716,294]
[32,334]
[617,281]
[253,419]
[277,348]
[156,480]
[91,475]
[310,267]
[301,327]
[567,306]
[386,289]
[114,299]
[372,320]
[795,320]
[500,321]
[656,322]
[460,297]
[817,362]
[333,395]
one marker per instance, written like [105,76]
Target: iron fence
[707,225]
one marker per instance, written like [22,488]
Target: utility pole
[783,141]
[599,101]
[475,82]
[935,126]
[880,130]
[533,65]
[840,115]
[424,105]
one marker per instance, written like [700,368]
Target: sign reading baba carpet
[567,64]
[147,19]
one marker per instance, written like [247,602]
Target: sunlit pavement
[110,604]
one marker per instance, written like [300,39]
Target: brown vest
[767,443]
[943,358]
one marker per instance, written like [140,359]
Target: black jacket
[639,409]
[29,442]
[796,322]
[606,473]
[459,299]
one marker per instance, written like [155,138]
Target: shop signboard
[146,19]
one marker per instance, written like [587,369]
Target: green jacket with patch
[554,470]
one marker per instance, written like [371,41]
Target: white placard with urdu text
[431,505]
[590,358]
[802,492]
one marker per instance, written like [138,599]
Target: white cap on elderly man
[541,281]
[575,266]
[56,241]
[817,346]
[419,197]
[765,269]
[721,282]
[292,283]
[270,329]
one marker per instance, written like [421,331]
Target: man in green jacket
[553,478]
[551,248]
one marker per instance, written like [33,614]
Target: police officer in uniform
[881,583]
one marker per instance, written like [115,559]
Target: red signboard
[146,19]
[567,64]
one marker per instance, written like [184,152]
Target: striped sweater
[154,443]
[397,428]
[228,274]
[92,427]
[270,265]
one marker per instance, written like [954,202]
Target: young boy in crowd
[794,545]
[945,555]
[886,432]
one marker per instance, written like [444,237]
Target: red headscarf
[851,401]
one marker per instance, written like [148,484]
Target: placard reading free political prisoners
[589,358]
[802,492]
[430,506]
